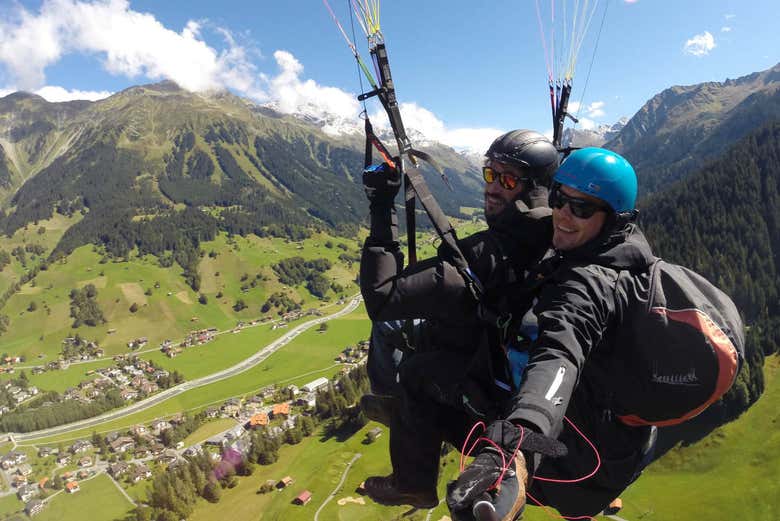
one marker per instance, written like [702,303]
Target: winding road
[240,367]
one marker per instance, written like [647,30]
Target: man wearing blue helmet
[582,288]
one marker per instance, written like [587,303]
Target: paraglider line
[544,42]
[592,59]
[360,77]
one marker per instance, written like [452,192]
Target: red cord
[595,451]
[505,465]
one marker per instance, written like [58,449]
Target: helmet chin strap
[615,222]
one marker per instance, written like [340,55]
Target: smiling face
[570,231]
[497,198]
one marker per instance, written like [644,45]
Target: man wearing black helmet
[441,378]
[517,172]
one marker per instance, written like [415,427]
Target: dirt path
[338,487]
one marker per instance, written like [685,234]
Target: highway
[242,366]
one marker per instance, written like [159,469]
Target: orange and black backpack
[679,346]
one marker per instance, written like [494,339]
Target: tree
[323,327]
[32,307]
[133,307]
[203,299]
[239,305]
[212,492]
[307,425]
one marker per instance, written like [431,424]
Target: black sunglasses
[579,207]
[507,181]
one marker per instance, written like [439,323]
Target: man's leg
[390,342]
[418,427]
[384,356]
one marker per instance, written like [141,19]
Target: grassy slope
[168,312]
[55,228]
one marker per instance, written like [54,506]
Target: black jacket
[433,289]
[578,309]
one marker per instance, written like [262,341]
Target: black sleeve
[573,311]
[433,288]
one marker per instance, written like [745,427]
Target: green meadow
[98,500]
[309,356]
[317,465]
[208,430]
[53,229]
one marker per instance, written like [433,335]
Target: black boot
[378,407]
[384,490]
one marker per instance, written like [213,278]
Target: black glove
[484,471]
[476,480]
[381,183]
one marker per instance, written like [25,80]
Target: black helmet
[528,150]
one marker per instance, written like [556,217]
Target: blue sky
[464,70]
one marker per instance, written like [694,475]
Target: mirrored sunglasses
[507,181]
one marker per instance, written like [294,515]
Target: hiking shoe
[383,490]
[378,407]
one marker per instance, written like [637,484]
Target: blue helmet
[600,173]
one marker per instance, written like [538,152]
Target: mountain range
[680,129]
[152,149]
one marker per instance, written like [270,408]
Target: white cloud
[55,93]
[700,45]
[631,1]
[420,119]
[725,29]
[729,16]
[6,92]
[591,110]
[587,124]
[291,94]
[128,42]
[136,45]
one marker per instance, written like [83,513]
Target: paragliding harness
[415,186]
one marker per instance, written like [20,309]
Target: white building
[317,384]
